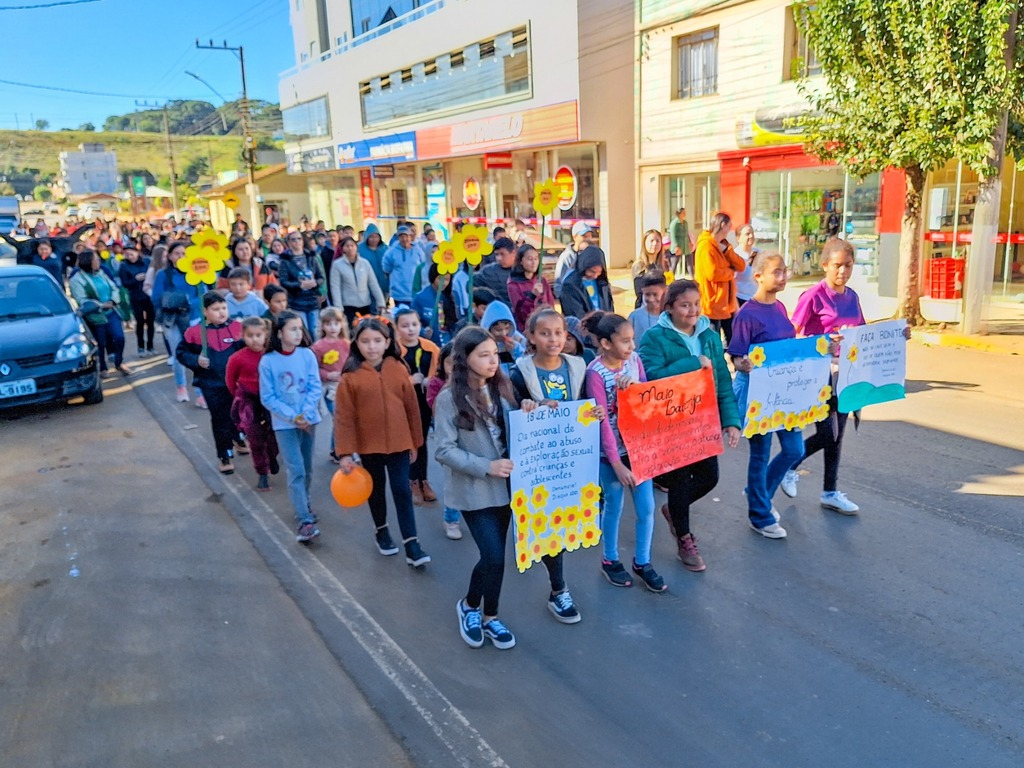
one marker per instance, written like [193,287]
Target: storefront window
[795,212]
[698,193]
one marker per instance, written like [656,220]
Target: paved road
[889,639]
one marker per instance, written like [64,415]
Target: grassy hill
[40,149]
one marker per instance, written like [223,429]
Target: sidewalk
[138,626]
[875,308]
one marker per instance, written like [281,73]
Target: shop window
[366,25]
[399,203]
[308,120]
[800,59]
[697,64]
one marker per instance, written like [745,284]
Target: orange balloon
[353,489]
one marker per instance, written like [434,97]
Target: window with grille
[800,58]
[697,64]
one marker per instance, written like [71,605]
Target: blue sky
[140,48]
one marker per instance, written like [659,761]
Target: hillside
[40,150]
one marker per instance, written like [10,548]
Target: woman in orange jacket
[716,265]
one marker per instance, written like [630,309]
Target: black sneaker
[263,484]
[563,608]
[499,634]
[469,624]
[384,543]
[274,466]
[307,532]
[650,577]
[414,554]
[616,574]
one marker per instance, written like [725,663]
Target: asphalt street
[888,639]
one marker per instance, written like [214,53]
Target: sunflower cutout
[448,258]
[540,497]
[852,354]
[750,430]
[821,346]
[590,534]
[757,357]
[331,356]
[754,411]
[539,524]
[572,540]
[585,415]
[545,197]
[825,394]
[554,545]
[765,426]
[519,501]
[557,518]
[471,243]
[590,494]
[572,515]
[790,421]
[778,419]
[205,258]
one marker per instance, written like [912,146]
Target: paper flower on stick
[852,354]
[471,244]
[545,197]
[448,257]
[205,258]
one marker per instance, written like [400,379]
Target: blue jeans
[763,478]
[489,528]
[109,340]
[330,410]
[643,501]
[451,515]
[173,337]
[310,319]
[297,451]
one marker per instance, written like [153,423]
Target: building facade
[91,170]
[452,110]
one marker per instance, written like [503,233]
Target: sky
[137,50]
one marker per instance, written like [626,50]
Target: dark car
[46,351]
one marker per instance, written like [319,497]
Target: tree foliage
[42,125]
[199,118]
[910,83]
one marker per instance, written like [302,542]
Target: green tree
[42,125]
[910,85]
[42,192]
[87,127]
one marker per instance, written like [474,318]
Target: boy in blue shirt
[241,300]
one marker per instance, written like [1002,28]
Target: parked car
[71,210]
[46,351]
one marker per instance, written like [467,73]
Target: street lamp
[223,119]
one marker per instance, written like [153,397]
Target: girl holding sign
[616,367]
[470,423]
[827,308]
[684,341]
[762,319]
[547,375]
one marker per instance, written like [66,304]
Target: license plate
[18,388]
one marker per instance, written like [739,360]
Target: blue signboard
[380,150]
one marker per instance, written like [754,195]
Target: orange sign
[670,423]
[565,180]
[471,193]
[367,198]
[556,124]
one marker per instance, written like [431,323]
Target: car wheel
[95,395]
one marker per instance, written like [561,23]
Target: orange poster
[669,423]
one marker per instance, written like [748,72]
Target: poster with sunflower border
[790,385]
[555,491]
[872,365]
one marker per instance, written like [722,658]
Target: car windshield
[31,296]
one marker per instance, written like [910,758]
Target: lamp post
[223,119]
[250,146]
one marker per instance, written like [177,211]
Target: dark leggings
[724,326]
[142,308]
[554,565]
[396,465]
[828,436]
[418,470]
[489,528]
[351,312]
[687,485]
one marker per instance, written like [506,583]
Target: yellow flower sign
[448,258]
[788,385]
[545,197]
[471,244]
[205,258]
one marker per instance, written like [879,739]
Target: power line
[84,93]
[45,5]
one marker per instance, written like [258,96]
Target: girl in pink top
[331,351]
[528,289]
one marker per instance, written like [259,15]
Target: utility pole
[249,151]
[170,154]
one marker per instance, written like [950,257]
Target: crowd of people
[308,322]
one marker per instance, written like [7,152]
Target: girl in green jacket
[684,341]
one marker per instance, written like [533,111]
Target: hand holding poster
[555,491]
[670,423]
[872,365]
[789,385]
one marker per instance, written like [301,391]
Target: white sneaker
[837,502]
[776,514]
[452,531]
[788,484]
[773,531]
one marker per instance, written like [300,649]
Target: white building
[453,109]
[91,170]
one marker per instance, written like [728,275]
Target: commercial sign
[565,180]
[471,193]
[496,160]
[556,124]
[138,186]
[230,200]
[309,160]
[383,171]
[769,127]
[367,198]
[380,150]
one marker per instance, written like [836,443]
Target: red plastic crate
[946,278]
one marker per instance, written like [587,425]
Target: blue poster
[380,150]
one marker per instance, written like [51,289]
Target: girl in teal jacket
[684,341]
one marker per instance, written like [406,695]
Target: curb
[964,341]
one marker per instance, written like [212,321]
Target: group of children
[385,384]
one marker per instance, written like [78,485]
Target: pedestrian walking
[716,265]
[421,355]
[133,274]
[90,282]
[247,412]
[331,350]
